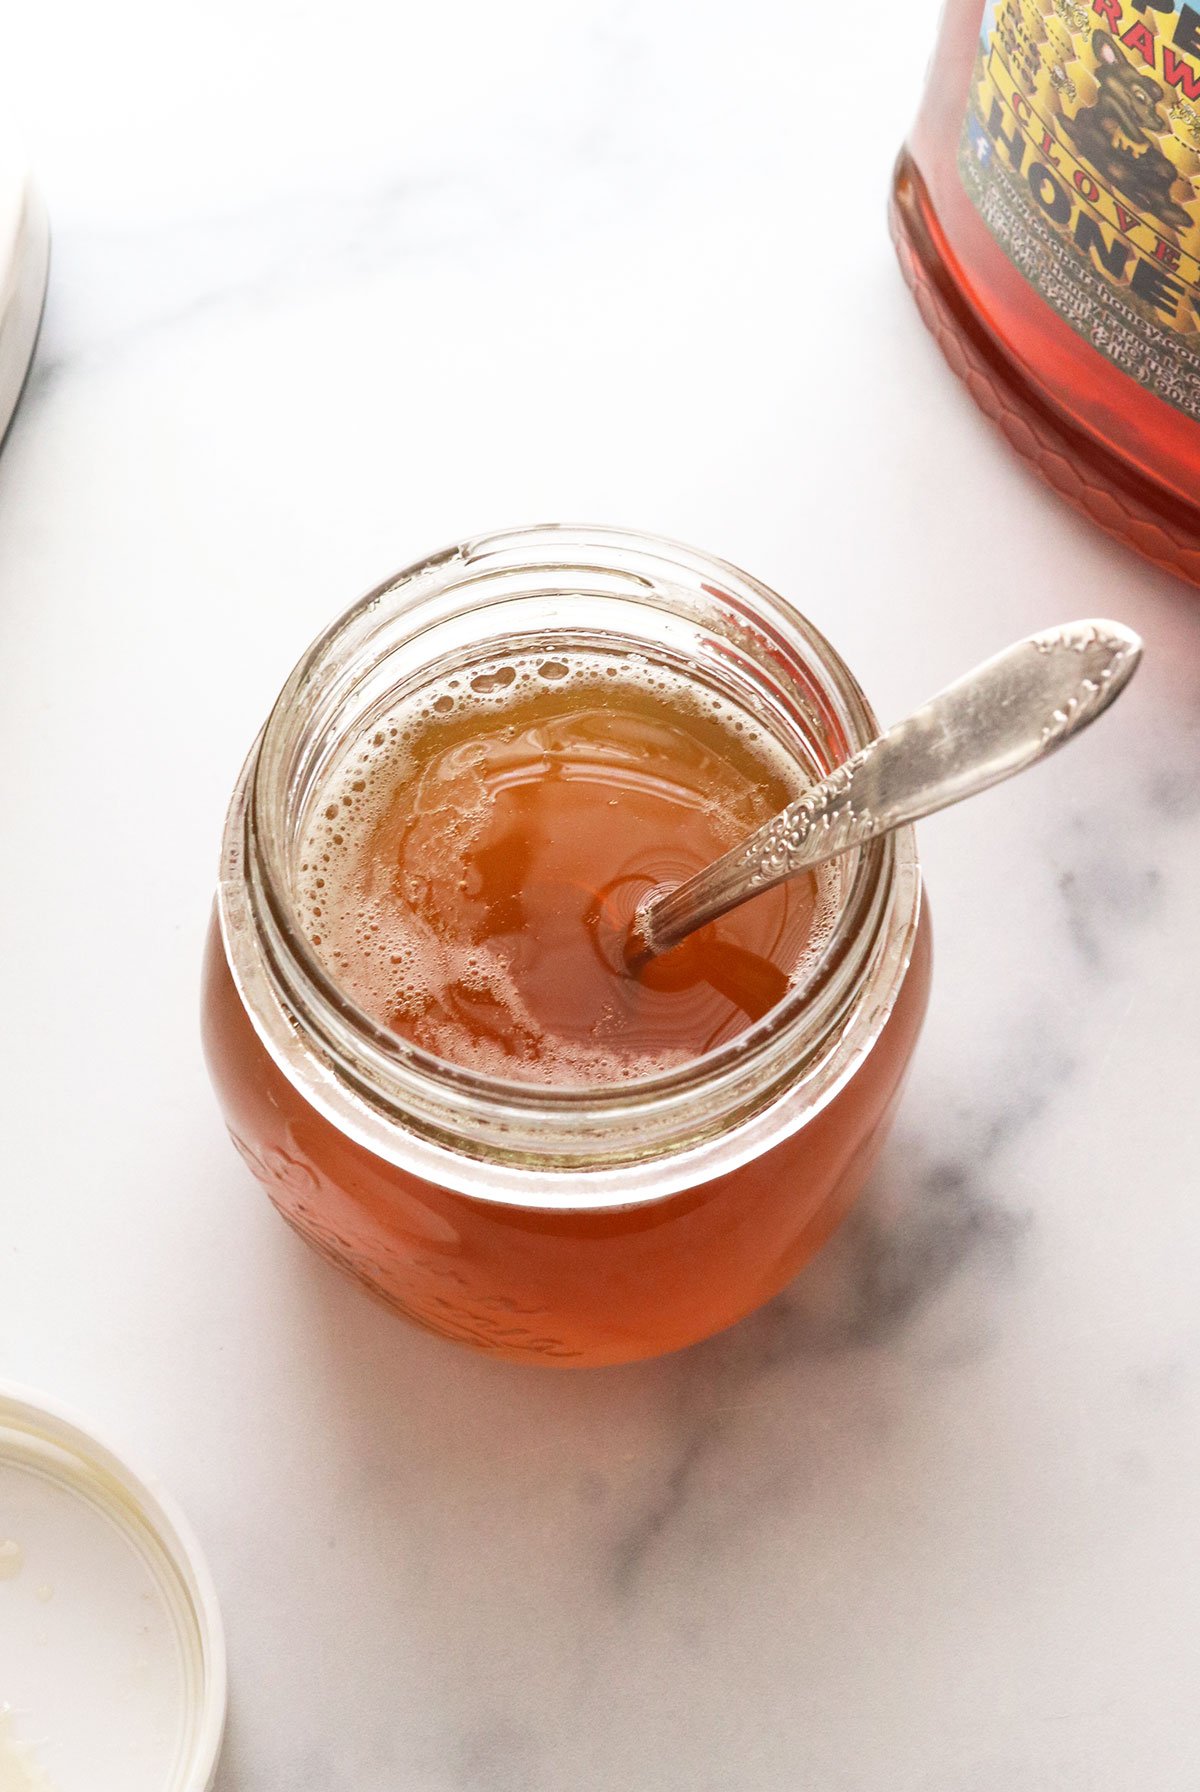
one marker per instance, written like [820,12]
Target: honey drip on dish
[19,1769]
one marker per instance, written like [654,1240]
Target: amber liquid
[471,869]
[1126,458]
[466,873]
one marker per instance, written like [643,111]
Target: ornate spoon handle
[1005,715]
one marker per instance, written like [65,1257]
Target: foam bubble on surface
[372,868]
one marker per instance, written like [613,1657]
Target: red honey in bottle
[1046,212]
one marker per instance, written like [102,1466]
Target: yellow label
[1081,151]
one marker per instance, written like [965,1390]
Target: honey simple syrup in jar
[417,1013]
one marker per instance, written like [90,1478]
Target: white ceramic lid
[112,1657]
[24,263]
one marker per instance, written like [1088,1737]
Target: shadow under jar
[584,1223]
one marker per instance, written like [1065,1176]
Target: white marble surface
[332,286]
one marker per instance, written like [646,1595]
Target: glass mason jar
[565,1225]
[1046,212]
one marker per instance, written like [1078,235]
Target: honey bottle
[1046,212]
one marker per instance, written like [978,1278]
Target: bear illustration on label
[1118,134]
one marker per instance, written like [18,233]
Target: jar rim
[464,1113]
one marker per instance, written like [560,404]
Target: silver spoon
[1002,717]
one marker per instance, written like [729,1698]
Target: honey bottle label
[1081,153]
